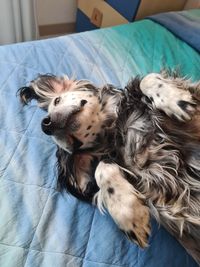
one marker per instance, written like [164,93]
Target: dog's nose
[47,125]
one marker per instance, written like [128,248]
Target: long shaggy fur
[167,170]
[157,152]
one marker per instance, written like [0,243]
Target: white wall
[56,11]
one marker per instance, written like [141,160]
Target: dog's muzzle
[57,128]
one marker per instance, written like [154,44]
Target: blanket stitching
[62,54]
[13,70]
[96,57]
[17,145]
[84,259]
[125,61]
[50,193]
[21,64]
[92,220]
[67,254]
[36,185]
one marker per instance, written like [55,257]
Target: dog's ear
[76,174]
[26,94]
[42,89]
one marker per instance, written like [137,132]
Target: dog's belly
[165,162]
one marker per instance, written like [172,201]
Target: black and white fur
[135,152]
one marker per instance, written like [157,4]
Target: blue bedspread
[39,226]
[184,24]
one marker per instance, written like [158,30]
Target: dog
[134,152]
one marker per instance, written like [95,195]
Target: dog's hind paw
[140,238]
[134,221]
[138,230]
[168,95]
[123,202]
[186,109]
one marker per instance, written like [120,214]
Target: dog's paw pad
[138,234]
[187,109]
[181,107]
[134,221]
[167,95]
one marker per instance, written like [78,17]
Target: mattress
[40,226]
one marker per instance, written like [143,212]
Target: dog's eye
[57,101]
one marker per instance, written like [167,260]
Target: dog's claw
[187,109]
[139,237]
[138,231]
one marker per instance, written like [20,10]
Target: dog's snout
[47,125]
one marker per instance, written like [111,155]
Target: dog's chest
[134,136]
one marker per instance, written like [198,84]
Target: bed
[39,225]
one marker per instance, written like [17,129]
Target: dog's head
[79,114]
[78,111]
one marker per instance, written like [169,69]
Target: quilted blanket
[40,226]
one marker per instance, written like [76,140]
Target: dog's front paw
[124,204]
[168,96]
[133,220]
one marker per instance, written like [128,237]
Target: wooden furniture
[93,14]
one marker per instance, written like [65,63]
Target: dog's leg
[76,174]
[174,96]
[123,202]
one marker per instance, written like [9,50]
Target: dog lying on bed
[134,152]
